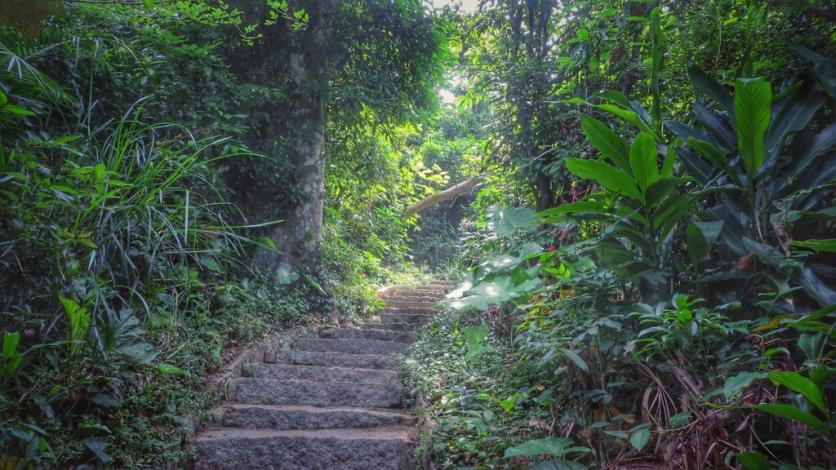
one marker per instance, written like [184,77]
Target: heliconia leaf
[610,178]
[643,155]
[611,145]
[753,110]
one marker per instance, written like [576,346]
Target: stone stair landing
[330,402]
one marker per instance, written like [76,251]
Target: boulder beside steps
[331,402]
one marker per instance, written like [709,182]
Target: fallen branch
[446,195]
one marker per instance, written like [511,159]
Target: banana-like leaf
[819,145]
[610,144]
[716,157]
[795,114]
[701,237]
[716,123]
[706,84]
[610,178]
[753,111]
[643,155]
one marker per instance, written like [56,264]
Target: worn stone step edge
[421,311]
[314,358]
[348,346]
[320,373]
[385,448]
[409,318]
[305,417]
[381,334]
[309,392]
[396,326]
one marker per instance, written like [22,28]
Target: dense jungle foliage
[645,263]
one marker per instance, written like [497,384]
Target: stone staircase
[331,402]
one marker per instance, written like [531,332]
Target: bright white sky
[467,5]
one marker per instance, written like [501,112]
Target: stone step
[397,303]
[409,318]
[286,417]
[372,333]
[388,448]
[426,294]
[397,326]
[428,291]
[313,358]
[349,346]
[310,392]
[413,310]
[320,373]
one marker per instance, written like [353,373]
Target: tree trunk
[299,236]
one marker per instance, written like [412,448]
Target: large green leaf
[658,192]
[734,385]
[795,414]
[715,156]
[795,114]
[711,87]
[701,237]
[753,109]
[643,155]
[800,384]
[610,144]
[671,212]
[610,178]
[828,245]
[504,221]
[554,213]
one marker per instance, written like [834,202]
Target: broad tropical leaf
[752,109]
[610,178]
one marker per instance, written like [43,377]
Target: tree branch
[446,195]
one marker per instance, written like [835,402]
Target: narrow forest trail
[331,402]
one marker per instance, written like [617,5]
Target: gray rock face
[326,403]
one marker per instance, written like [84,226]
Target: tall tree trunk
[299,236]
